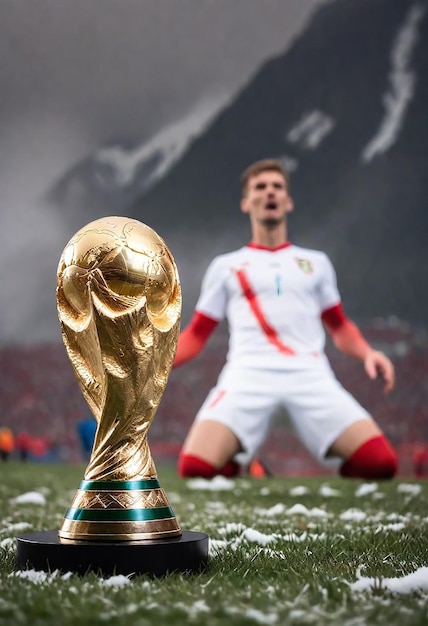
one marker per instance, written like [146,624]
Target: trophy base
[45,551]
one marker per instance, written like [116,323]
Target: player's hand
[377,363]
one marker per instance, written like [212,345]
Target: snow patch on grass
[31,497]
[418,580]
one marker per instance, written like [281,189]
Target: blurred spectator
[39,447]
[23,444]
[86,430]
[7,443]
[420,460]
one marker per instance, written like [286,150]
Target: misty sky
[144,64]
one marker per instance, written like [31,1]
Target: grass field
[283,551]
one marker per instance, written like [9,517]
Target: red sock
[190,466]
[374,459]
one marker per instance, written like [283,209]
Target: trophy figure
[119,307]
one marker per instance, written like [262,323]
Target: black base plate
[44,551]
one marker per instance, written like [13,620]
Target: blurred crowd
[23,445]
[45,418]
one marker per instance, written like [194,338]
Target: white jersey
[272,300]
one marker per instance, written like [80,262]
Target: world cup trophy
[119,306]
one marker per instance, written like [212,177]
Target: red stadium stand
[40,396]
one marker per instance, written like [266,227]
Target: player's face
[267,199]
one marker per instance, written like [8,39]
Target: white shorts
[246,399]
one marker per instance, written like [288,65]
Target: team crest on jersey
[305,265]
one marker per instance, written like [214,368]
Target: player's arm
[193,338]
[348,338]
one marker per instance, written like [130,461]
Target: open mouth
[271,206]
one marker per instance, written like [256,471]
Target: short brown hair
[265,165]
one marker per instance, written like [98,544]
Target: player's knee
[190,466]
[374,460]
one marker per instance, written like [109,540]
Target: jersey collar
[258,246]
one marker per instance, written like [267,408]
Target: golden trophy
[119,307]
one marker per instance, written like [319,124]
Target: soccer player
[278,298]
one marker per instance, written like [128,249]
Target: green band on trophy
[130,515]
[119,485]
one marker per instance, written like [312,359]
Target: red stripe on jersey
[268,330]
[217,399]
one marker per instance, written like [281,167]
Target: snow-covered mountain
[345,108]
[115,174]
